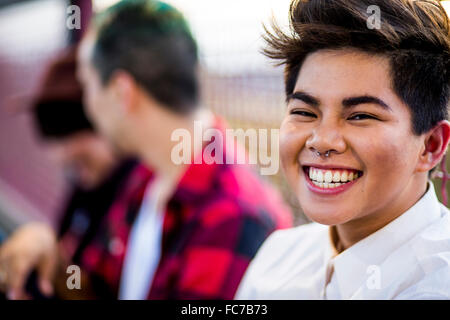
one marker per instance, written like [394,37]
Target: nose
[326,137]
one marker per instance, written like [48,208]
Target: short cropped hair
[414,35]
[152,41]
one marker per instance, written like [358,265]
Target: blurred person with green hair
[200,223]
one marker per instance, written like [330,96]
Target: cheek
[292,141]
[388,158]
[90,102]
[95,99]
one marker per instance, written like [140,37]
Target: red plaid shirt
[213,226]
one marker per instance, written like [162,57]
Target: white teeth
[336,176]
[328,177]
[331,178]
[350,176]
[319,176]
[325,185]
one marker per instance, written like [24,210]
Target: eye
[362,116]
[303,113]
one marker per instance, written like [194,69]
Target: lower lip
[328,191]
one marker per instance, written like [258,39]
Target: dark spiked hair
[414,35]
[152,41]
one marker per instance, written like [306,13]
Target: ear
[125,90]
[436,141]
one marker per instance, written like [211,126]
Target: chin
[327,216]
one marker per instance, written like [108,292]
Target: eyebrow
[303,96]
[347,102]
[354,101]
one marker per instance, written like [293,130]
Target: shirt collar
[351,266]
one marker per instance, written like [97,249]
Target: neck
[156,152]
[354,231]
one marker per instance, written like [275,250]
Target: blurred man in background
[97,174]
[199,224]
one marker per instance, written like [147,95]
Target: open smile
[330,180]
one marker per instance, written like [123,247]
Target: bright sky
[31,25]
[229,32]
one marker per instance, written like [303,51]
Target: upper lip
[329,166]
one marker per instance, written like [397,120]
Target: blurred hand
[32,246]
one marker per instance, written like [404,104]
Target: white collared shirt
[409,258]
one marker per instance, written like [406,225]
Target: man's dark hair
[414,36]
[152,41]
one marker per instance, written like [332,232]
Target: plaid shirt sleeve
[213,228]
[219,250]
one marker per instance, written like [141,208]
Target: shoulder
[431,249]
[253,196]
[285,246]
[433,285]
[433,243]
[284,255]
[223,221]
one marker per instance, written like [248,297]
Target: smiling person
[365,124]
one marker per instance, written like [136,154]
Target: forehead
[349,71]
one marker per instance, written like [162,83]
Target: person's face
[343,103]
[100,100]
[85,157]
